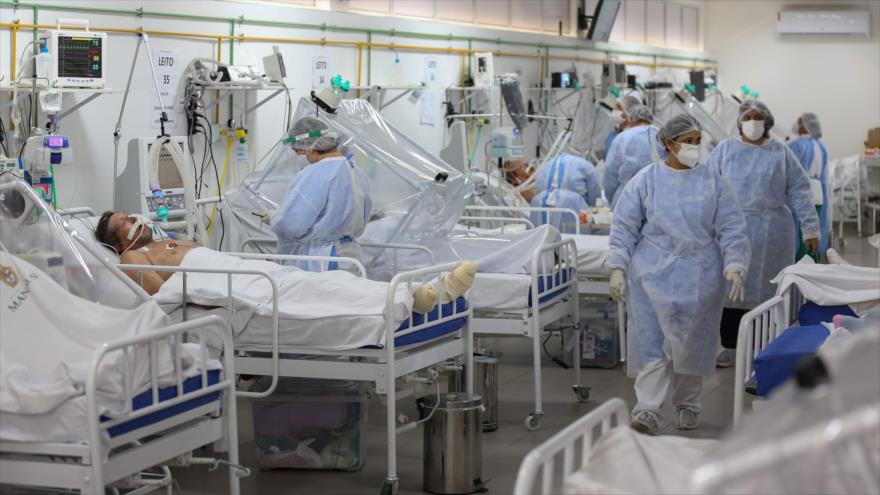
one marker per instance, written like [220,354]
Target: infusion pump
[133,185]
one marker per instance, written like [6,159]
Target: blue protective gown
[674,233]
[609,139]
[632,150]
[324,209]
[567,181]
[770,184]
[814,157]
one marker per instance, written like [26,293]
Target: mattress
[507,291]
[254,332]
[592,252]
[68,422]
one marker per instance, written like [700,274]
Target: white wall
[89,181]
[836,77]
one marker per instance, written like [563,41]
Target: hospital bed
[592,259]
[435,340]
[166,414]
[164,423]
[789,308]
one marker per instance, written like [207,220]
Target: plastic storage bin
[600,341]
[311,424]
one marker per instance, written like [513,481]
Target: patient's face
[121,223]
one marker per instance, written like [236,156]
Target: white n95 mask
[796,128]
[753,129]
[689,154]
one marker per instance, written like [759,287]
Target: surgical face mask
[689,154]
[753,129]
[796,128]
[300,161]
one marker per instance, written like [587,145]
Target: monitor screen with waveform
[80,57]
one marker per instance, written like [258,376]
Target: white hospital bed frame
[531,320]
[381,366]
[757,329]
[590,285]
[83,467]
[573,444]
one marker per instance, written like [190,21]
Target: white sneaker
[646,422]
[726,358]
[687,419]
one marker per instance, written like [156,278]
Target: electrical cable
[555,359]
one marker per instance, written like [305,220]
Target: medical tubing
[220,181]
[412,425]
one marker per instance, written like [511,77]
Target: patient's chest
[169,253]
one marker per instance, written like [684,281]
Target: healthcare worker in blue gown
[632,150]
[328,202]
[770,184]
[677,234]
[566,181]
[811,152]
[620,118]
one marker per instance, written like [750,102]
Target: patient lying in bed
[132,238]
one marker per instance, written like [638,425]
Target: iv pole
[144,39]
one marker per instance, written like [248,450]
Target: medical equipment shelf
[226,90]
[98,462]
[381,91]
[93,93]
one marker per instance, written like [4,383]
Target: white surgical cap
[640,112]
[811,124]
[324,142]
[761,107]
[676,126]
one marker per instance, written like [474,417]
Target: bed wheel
[388,487]
[533,421]
[581,392]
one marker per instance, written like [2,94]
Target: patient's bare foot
[453,286]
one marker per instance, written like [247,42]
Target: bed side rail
[504,221]
[230,304]
[78,211]
[412,280]
[551,261]
[516,210]
[757,328]
[128,348]
[573,445]
[271,243]
[339,260]
[794,300]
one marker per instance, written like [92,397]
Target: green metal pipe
[346,29]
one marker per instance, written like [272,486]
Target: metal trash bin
[486,367]
[453,444]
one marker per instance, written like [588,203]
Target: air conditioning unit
[839,22]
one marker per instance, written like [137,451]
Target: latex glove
[812,245]
[737,287]
[267,217]
[617,286]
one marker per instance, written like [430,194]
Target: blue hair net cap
[676,126]
[811,124]
[747,105]
[640,112]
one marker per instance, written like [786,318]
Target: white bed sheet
[332,310]
[626,462]
[592,253]
[42,387]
